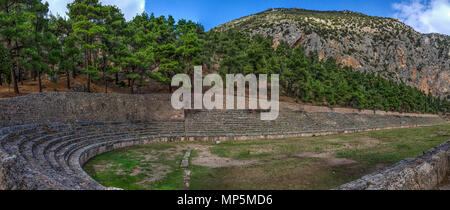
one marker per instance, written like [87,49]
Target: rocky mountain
[370,44]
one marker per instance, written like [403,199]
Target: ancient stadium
[46,139]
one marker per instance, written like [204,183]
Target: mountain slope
[367,43]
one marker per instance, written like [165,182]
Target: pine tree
[70,53]
[15,29]
[188,44]
[87,27]
[36,50]
[5,65]
[113,42]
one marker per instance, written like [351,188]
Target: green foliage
[86,17]
[97,41]
[92,71]
[307,79]
[5,65]
[70,54]
[17,20]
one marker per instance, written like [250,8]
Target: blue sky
[211,13]
[425,16]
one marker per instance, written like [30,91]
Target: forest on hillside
[96,40]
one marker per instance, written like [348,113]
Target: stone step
[55,152]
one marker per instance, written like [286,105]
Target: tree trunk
[106,83]
[74,73]
[86,66]
[1,80]
[106,86]
[68,79]
[132,86]
[88,58]
[117,78]
[21,76]
[13,76]
[89,83]
[40,81]
[14,79]
[104,72]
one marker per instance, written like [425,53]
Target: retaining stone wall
[421,173]
[88,107]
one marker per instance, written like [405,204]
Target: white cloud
[426,16]
[58,7]
[129,7]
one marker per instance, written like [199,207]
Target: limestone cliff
[369,44]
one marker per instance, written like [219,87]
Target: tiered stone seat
[38,153]
[247,123]
[51,156]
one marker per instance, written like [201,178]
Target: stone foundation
[422,173]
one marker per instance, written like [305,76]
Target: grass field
[310,163]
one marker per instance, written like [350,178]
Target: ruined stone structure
[45,139]
[421,173]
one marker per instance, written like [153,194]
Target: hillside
[97,86]
[368,44]
[142,55]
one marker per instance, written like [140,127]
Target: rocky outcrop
[422,173]
[369,44]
